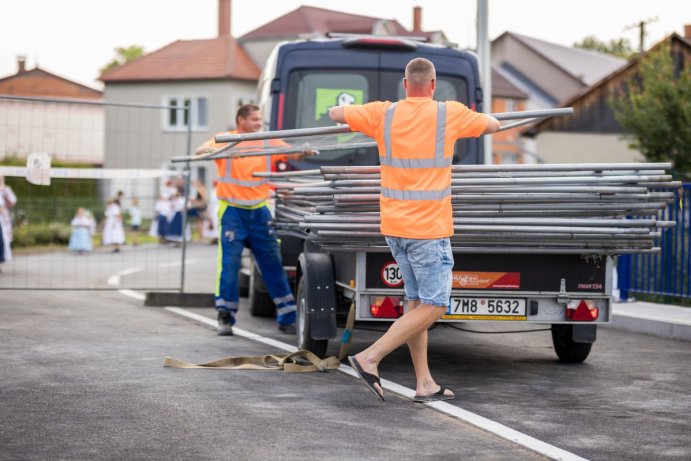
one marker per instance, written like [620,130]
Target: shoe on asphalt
[287,329]
[224,327]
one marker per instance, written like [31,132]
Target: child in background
[135,220]
[113,230]
[83,226]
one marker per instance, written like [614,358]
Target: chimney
[223,18]
[21,64]
[417,19]
[687,31]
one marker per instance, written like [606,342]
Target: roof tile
[216,58]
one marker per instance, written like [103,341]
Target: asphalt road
[81,378]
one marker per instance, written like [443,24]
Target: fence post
[188,174]
[624,276]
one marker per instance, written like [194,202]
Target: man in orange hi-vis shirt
[245,219]
[416,138]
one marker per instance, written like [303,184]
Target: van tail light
[281,102]
[386,307]
[582,311]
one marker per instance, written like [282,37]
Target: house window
[510,105]
[177,119]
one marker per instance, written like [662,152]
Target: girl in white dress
[113,229]
[82,228]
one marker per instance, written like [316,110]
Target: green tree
[616,47]
[654,107]
[123,55]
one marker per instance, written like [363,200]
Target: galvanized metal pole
[483,52]
[187,196]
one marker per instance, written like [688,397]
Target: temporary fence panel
[96,149]
[667,273]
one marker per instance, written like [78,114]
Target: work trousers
[252,228]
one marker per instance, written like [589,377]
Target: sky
[75,38]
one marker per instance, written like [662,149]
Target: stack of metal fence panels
[555,208]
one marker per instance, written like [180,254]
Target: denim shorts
[425,267]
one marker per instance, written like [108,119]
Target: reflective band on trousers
[284,299]
[438,161]
[286,310]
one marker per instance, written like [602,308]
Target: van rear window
[316,92]
[311,93]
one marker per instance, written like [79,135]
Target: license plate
[486,309]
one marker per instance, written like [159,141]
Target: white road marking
[133,294]
[114,280]
[481,422]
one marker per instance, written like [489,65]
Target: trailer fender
[320,293]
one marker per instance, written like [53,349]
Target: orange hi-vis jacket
[236,183]
[416,139]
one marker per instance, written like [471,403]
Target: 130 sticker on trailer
[391,275]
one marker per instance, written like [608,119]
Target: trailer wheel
[261,304]
[566,348]
[305,340]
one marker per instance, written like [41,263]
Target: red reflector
[582,313]
[385,307]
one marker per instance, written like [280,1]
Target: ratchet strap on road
[290,363]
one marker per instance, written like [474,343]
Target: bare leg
[409,326]
[418,352]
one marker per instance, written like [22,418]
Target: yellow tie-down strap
[289,363]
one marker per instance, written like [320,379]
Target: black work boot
[224,327]
[287,329]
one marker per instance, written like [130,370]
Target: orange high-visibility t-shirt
[413,137]
[243,168]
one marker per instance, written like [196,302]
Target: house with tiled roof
[212,77]
[37,94]
[593,134]
[39,82]
[309,21]
[549,73]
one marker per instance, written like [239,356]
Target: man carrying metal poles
[416,138]
[245,219]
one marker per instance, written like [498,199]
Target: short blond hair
[420,71]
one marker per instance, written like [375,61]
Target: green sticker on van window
[329,97]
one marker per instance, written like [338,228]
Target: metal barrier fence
[97,150]
[669,272]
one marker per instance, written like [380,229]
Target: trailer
[533,244]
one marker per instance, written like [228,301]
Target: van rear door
[313,76]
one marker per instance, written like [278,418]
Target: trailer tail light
[386,307]
[582,311]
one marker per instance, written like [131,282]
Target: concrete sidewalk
[650,318]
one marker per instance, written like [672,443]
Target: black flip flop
[368,378]
[437,396]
